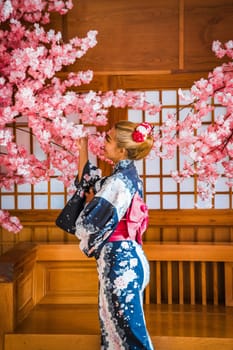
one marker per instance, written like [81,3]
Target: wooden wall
[168,226]
[159,42]
[146,36]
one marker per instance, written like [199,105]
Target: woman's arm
[102,214]
[83,155]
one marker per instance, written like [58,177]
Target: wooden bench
[188,281]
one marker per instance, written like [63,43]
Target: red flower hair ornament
[142,131]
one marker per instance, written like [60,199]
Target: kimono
[110,229]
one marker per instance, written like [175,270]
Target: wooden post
[229,284]
[7,309]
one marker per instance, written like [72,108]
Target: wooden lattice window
[161,191]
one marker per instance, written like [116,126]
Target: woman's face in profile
[111,150]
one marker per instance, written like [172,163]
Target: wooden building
[48,289]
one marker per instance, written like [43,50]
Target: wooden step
[172,327]
[92,342]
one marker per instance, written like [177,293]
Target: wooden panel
[60,252]
[158,35]
[25,235]
[154,80]
[17,262]
[215,283]
[158,282]
[204,234]
[205,21]
[192,283]
[170,234]
[40,233]
[69,283]
[181,283]
[222,233]
[203,283]
[191,217]
[187,234]
[169,282]
[154,251]
[206,225]
[153,233]
[169,217]
[55,235]
[57,23]
[7,314]
[188,252]
[24,295]
[16,297]
[131,35]
[65,275]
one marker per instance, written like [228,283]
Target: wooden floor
[196,321]
[172,327]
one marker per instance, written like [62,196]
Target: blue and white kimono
[123,269]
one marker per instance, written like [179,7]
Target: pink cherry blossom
[10,223]
[31,91]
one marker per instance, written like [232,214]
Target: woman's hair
[124,138]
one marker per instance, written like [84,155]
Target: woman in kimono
[110,228]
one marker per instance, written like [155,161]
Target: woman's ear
[124,153]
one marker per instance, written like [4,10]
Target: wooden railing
[193,226]
[184,273]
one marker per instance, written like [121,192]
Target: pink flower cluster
[10,223]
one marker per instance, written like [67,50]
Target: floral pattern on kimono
[113,196]
[123,274]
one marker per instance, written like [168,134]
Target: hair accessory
[142,131]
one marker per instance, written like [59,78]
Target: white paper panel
[153,184]
[169,201]
[135,116]
[7,202]
[40,202]
[24,202]
[41,187]
[166,111]
[187,185]
[57,201]
[169,185]
[153,201]
[24,188]
[169,165]
[221,201]
[187,201]
[152,166]
[56,186]
[169,97]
